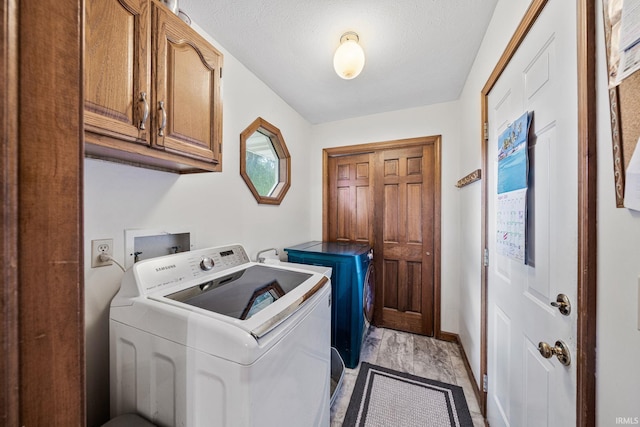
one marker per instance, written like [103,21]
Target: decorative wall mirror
[265,163]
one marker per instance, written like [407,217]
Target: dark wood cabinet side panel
[50,258]
[9,339]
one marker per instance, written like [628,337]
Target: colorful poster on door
[511,206]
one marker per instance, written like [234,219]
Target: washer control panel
[164,272]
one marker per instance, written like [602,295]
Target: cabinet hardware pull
[145,110]
[163,124]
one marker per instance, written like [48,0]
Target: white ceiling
[418,52]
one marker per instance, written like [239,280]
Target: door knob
[560,350]
[562,304]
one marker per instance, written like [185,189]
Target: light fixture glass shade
[348,61]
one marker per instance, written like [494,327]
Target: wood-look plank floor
[414,354]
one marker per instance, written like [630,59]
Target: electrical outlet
[99,247]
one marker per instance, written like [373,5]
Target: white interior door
[525,389]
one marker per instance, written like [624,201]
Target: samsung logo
[166,267]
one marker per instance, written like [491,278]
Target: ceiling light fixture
[348,60]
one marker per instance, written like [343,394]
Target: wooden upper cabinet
[186,89]
[116,67]
[152,88]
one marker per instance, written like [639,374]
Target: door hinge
[220,72]
[485,257]
[486,131]
[485,383]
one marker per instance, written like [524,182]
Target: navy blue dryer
[352,286]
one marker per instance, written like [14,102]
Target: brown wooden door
[116,68]
[404,223]
[350,198]
[187,103]
[387,194]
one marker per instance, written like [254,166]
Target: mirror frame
[284,161]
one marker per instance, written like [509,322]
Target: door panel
[390,280]
[537,379]
[406,298]
[343,220]
[350,199]
[414,213]
[362,224]
[525,388]
[501,382]
[391,213]
[414,276]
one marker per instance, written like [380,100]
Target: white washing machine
[209,338]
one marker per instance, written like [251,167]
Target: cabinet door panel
[117,58]
[187,82]
[190,85]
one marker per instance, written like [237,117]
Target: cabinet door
[117,61]
[187,105]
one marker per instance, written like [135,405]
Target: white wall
[504,22]
[618,356]
[441,119]
[218,207]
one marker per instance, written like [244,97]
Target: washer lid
[243,293]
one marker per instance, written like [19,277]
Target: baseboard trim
[455,338]
[448,336]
